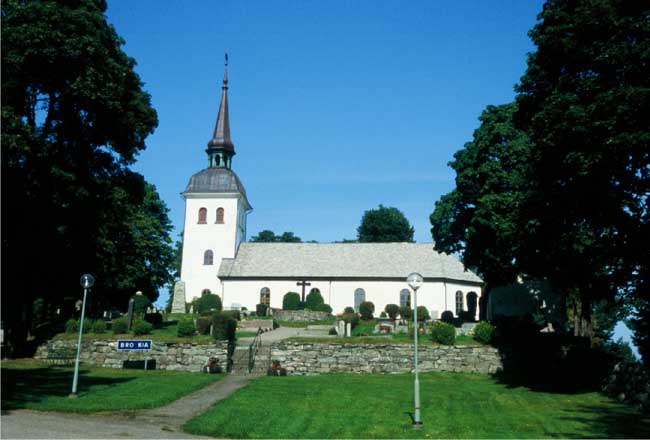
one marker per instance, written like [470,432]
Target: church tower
[215,214]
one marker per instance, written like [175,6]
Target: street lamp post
[87,282]
[415,280]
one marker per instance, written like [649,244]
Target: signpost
[141,344]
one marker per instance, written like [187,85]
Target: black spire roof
[221,136]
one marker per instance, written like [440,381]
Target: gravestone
[341,328]
[178,302]
[129,315]
[348,329]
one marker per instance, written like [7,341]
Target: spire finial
[225,72]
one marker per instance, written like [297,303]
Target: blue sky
[335,107]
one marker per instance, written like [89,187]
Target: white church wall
[197,238]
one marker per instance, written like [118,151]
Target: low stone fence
[103,353]
[299,315]
[302,358]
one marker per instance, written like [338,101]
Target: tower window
[208,258]
[220,215]
[203,216]
[265,296]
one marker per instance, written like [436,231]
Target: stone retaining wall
[103,353]
[313,358]
[299,315]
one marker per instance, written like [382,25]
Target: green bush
[392,310]
[349,310]
[261,309]
[140,304]
[203,325]
[483,332]
[447,316]
[186,327]
[290,301]
[208,302]
[443,333]
[72,325]
[99,327]
[276,324]
[383,315]
[235,314]
[423,314]
[314,300]
[224,326]
[323,308]
[351,318]
[405,312]
[155,319]
[141,327]
[120,325]
[366,309]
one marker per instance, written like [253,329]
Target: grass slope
[380,406]
[33,385]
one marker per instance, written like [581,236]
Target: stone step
[320,327]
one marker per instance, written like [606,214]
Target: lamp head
[87,281]
[414,280]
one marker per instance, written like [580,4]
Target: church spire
[220,148]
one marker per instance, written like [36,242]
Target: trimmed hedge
[208,302]
[447,316]
[120,325]
[224,326]
[351,318]
[141,327]
[349,310]
[423,314]
[314,300]
[99,327]
[366,309]
[392,310]
[484,332]
[140,304]
[186,327]
[155,319]
[261,309]
[203,325]
[443,333]
[405,312]
[290,301]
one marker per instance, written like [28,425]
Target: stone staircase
[240,361]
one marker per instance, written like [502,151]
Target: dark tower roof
[221,136]
[215,180]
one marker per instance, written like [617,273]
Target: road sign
[124,344]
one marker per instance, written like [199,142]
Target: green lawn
[297,324]
[454,405]
[34,385]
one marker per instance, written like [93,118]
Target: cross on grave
[303,284]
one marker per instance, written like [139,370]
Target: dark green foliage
[447,316]
[203,325]
[392,310]
[383,315]
[140,304]
[120,325]
[235,314]
[186,327]
[261,309]
[366,309]
[351,318]
[324,308]
[267,236]
[423,314]
[314,300]
[405,312]
[384,224]
[332,332]
[290,301]
[484,332]
[141,327]
[349,310]
[224,327]
[156,319]
[72,325]
[207,302]
[276,324]
[99,327]
[443,333]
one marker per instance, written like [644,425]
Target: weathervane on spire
[226,58]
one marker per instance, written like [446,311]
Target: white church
[217,259]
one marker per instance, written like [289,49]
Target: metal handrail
[253,348]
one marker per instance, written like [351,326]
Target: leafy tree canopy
[383,225]
[267,236]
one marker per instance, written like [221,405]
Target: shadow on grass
[23,386]
[616,422]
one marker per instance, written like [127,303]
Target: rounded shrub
[236,314]
[324,308]
[99,327]
[366,309]
[392,310]
[186,327]
[314,300]
[208,302]
[383,315]
[443,333]
[351,318]
[141,327]
[447,316]
[290,301]
[140,304]
[484,332]
[406,312]
[72,325]
[423,314]
[155,319]
[224,326]
[276,324]
[120,325]
[349,310]
[203,325]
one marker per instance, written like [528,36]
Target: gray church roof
[216,180]
[343,260]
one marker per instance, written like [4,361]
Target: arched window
[265,296]
[208,258]
[405,298]
[220,215]
[359,297]
[203,216]
[459,302]
[472,304]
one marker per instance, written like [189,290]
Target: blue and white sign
[123,344]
